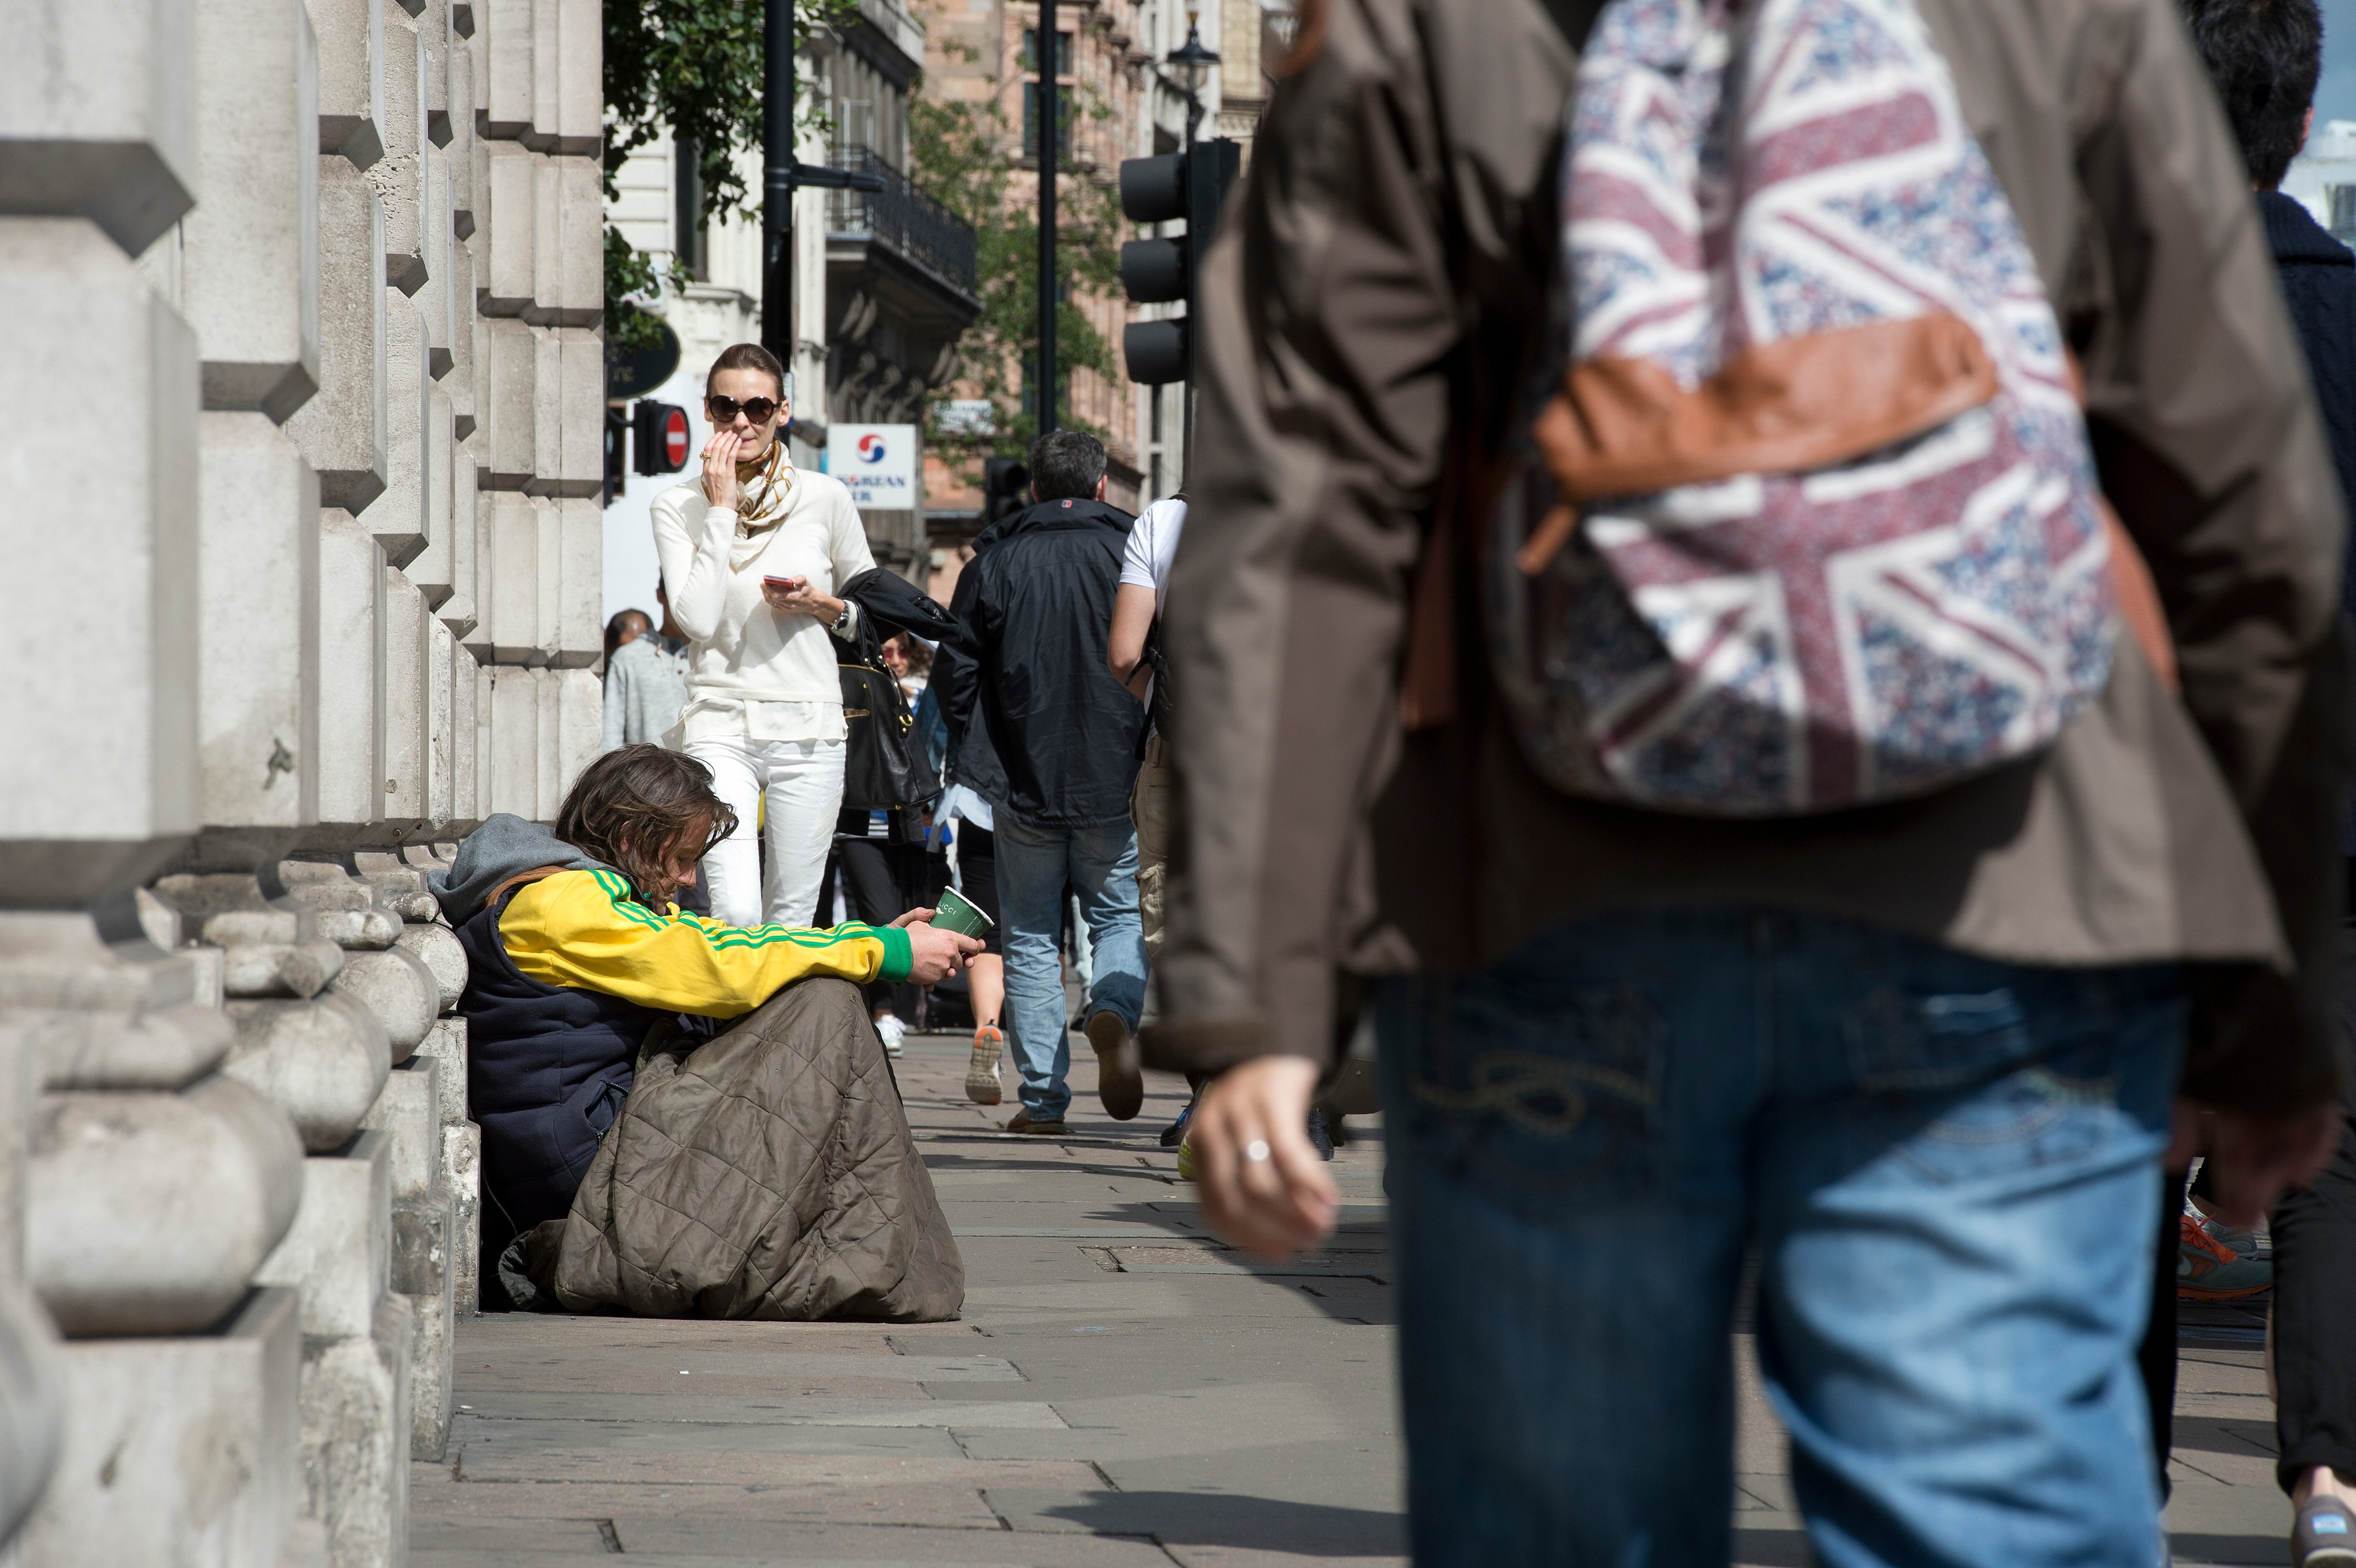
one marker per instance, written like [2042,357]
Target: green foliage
[963,155]
[692,67]
[630,276]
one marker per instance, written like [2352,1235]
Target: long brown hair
[629,808]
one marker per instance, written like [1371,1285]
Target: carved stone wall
[301,443]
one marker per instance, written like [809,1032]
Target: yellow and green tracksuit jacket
[582,929]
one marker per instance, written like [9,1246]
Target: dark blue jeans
[1947,1165]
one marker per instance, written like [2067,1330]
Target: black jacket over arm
[1028,661]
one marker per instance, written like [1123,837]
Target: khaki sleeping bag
[768,1174]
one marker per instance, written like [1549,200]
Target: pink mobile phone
[788,583]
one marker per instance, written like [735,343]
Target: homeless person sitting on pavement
[642,1153]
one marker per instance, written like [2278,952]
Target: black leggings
[2315,1283]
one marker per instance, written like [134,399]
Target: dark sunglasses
[724,409]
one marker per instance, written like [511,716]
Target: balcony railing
[903,218]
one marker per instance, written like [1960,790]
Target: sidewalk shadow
[1213,1519]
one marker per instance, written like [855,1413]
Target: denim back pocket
[1963,1083]
[1550,1103]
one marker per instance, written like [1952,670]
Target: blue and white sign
[878,462]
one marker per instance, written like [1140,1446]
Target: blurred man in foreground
[1921,1051]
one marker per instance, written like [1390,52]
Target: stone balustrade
[331,599]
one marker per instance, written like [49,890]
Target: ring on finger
[1256,1151]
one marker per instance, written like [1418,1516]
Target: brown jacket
[1376,305]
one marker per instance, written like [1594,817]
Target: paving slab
[472,1441]
[797,1544]
[744,1410]
[1122,1390]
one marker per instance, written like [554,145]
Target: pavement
[1122,1390]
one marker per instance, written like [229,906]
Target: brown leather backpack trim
[1624,427]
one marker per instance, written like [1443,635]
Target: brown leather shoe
[1120,1085]
[1021,1122]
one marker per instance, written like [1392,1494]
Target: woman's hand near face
[720,468]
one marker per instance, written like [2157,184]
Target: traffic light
[1190,186]
[617,451]
[1005,487]
[659,437]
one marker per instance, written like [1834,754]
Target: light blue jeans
[1034,864]
[1947,1166]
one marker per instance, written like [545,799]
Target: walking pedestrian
[1687,948]
[645,683]
[1029,655]
[752,551]
[2264,57]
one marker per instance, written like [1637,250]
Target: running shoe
[1120,1082]
[2208,1270]
[889,1026]
[2323,1535]
[982,1085]
[1176,1132]
[1186,1161]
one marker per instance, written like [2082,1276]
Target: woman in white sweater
[752,553]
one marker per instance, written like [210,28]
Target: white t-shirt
[1153,545]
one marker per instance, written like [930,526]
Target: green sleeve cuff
[899,952]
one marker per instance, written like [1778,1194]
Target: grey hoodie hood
[504,846]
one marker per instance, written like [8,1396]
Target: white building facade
[2323,178]
[302,452]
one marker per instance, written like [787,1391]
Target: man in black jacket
[1027,664]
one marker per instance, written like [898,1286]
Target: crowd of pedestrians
[1762,587]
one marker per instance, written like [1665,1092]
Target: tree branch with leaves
[692,68]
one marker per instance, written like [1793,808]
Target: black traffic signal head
[1154,190]
[1158,352]
[659,437]
[1005,487]
[1190,186]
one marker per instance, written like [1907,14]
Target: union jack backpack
[1810,520]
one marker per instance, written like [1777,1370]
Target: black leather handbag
[884,763]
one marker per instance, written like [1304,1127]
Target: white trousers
[802,783]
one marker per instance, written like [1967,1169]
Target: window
[2341,201]
[1063,51]
[1031,122]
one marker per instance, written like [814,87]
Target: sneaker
[889,1026]
[2323,1535]
[1176,1132]
[1186,1161]
[1021,1122]
[2208,1270]
[982,1085]
[1120,1084]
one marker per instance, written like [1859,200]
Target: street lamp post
[1049,118]
[782,174]
[1192,64]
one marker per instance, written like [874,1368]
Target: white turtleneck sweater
[753,671]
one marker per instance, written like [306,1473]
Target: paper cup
[953,912]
